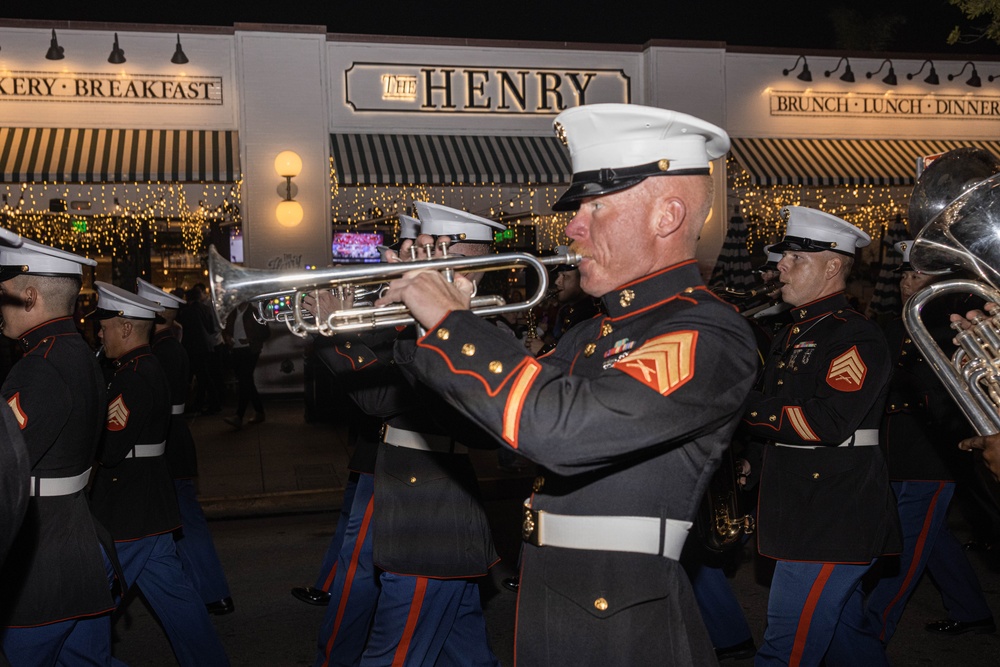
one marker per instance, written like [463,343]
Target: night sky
[913,26]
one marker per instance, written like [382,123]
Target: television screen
[235,246]
[356,247]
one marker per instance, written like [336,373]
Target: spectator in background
[245,337]
[200,329]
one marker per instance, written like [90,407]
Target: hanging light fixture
[117,56]
[805,74]
[974,80]
[890,78]
[847,76]
[55,51]
[931,78]
[179,58]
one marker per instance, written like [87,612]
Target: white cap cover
[409,227]
[616,146]
[115,302]
[812,230]
[148,290]
[438,220]
[37,259]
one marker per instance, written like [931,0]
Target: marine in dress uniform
[194,541]
[429,535]
[825,510]
[920,426]
[362,463]
[628,416]
[132,493]
[54,591]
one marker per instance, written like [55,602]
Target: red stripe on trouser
[918,549]
[399,659]
[359,542]
[805,618]
[329,579]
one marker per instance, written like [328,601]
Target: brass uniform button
[689,290]
[625,298]
[468,349]
[606,329]
[815,475]
[601,604]
[663,165]
[361,360]
[537,485]
[781,364]
[781,382]
[907,341]
[589,350]
[413,480]
[347,345]
[903,353]
[496,367]
[753,414]
[772,418]
[892,407]
[795,330]
[443,334]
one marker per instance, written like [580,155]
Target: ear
[834,266]
[30,298]
[670,214]
[126,329]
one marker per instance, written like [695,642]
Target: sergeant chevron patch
[15,405]
[847,372]
[117,414]
[663,363]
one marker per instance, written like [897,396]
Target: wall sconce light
[179,58]
[931,78]
[117,56]
[805,74]
[55,51]
[890,78]
[288,164]
[847,76]
[973,81]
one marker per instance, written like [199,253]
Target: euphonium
[964,235]
[230,285]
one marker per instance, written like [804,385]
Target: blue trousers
[196,548]
[956,580]
[724,618]
[803,610]
[328,569]
[354,591]
[81,641]
[151,563]
[421,621]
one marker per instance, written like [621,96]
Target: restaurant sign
[453,89]
[110,88]
[876,105]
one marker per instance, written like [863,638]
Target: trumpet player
[628,416]
[425,530]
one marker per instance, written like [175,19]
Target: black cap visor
[605,181]
[802,244]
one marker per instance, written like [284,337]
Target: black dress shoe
[511,584]
[312,595]
[745,649]
[983,626]
[220,607]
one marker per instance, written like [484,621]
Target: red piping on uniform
[805,618]
[399,659]
[489,392]
[329,580]
[355,555]
[351,359]
[918,549]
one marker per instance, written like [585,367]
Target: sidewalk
[288,465]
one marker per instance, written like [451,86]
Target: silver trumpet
[231,285]
[965,234]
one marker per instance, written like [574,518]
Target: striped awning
[840,161]
[431,159]
[59,155]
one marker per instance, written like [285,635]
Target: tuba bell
[963,235]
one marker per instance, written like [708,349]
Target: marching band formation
[840,436]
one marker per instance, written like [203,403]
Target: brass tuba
[964,234]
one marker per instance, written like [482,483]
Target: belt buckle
[382,431]
[529,527]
